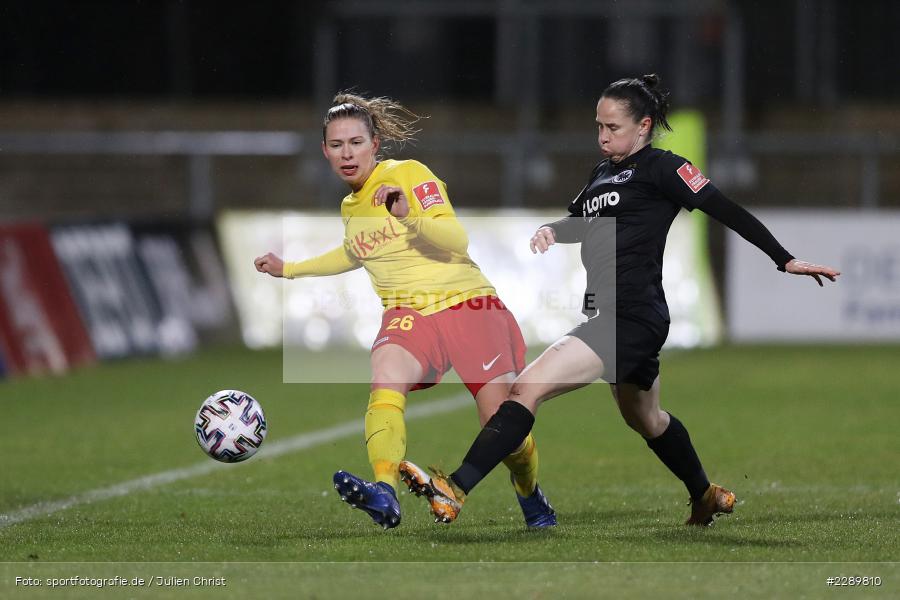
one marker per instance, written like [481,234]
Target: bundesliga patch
[429,194]
[692,176]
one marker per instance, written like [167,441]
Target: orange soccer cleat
[444,498]
[715,501]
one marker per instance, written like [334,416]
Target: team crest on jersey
[623,176]
[428,194]
[692,177]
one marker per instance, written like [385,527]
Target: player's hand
[271,264]
[801,267]
[395,200]
[542,239]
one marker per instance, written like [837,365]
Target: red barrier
[41,329]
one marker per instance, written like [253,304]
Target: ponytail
[390,121]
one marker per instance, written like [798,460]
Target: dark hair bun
[643,98]
[650,80]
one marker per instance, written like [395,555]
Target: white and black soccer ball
[230,426]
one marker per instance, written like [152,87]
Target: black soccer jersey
[643,193]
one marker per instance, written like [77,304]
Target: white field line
[296,443]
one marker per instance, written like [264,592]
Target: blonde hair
[390,121]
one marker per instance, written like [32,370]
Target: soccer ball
[230,426]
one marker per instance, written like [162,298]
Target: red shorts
[479,338]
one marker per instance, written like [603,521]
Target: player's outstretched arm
[333,262]
[270,263]
[542,239]
[801,267]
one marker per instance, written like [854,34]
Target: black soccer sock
[675,450]
[501,435]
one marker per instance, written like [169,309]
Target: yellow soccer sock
[523,464]
[386,434]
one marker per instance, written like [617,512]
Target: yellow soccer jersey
[405,268]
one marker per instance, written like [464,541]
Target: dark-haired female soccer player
[439,309]
[642,188]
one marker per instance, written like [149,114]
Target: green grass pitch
[806,436]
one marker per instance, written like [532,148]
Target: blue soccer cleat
[537,510]
[378,500]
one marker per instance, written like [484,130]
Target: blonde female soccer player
[440,311]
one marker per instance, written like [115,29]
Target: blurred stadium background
[150,150]
[141,142]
